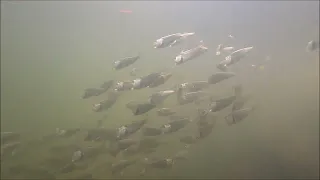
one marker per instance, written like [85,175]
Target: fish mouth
[155,45]
[178,60]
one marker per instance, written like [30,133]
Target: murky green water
[52,51]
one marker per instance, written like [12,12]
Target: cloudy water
[51,52]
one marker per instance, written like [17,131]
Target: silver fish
[233,58]
[222,103]
[159,97]
[162,78]
[171,40]
[190,54]
[312,46]
[120,64]
[145,81]
[195,86]
[165,112]
[220,76]
[124,86]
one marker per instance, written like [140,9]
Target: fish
[174,126]
[101,121]
[77,156]
[22,171]
[171,40]
[160,80]
[90,92]
[145,81]
[206,130]
[121,145]
[67,168]
[222,103]
[107,85]
[159,97]
[143,108]
[123,86]
[121,165]
[190,97]
[240,98]
[66,132]
[240,102]
[129,129]
[101,134]
[218,50]
[312,46]
[157,164]
[220,76]
[106,104]
[190,54]
[120,64]
[205,124]
[153,163]
[86,176]
[178,118]
[165,112]
[151,131]
[202,117]
[133,72]
[195,86]
[95,151]
[9,148]
[238,115]
[188,139]
[8,137]
[222,48]
[233,58]
[181,155]
[146,145]
[149,142]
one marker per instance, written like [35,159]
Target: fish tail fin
[139,55]
[238,90]
[179,94]
[113,153]
[255,107]
[229,119]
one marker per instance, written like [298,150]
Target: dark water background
[52,51]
